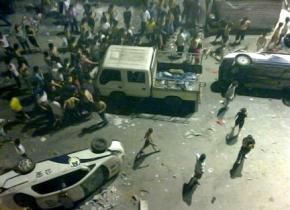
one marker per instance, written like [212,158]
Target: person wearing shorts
[240,120]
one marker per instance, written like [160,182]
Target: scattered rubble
[105,200]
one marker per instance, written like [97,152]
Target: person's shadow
[221,113]
[188,191]
[139,159]
[92,128]
[231,138]
[237,169]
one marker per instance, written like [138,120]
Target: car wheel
[243,60]
[24,166]
[24,200]
[287,40]
[99,145]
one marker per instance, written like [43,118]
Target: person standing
[19,148]
[240,120]
[261,42]
[230,94]
[31,36]
[243,28]
[14,73]
[145,17]
[247,145]
[4,42]
[284,30]
[180,41]
[199,169]
[21,37]
[149,141]
[127,14]
[275,37]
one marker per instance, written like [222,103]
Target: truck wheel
[173,104]
[99,145]
[24,166]
[243,60]
[118,100]
[24,200]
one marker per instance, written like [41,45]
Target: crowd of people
[62,89]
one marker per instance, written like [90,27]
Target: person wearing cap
[247,145]
[240,120]
[199,168]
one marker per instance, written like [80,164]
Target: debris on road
[105,200]
[191,133]
[211,129]
[143,205]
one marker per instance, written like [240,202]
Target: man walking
[148,141]
[199,169]
[247,146]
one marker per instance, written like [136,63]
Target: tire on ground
[99,145]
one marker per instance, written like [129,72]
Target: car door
[110,80]
[137,83]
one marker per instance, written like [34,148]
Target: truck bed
[176,77]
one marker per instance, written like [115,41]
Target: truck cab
[126,70]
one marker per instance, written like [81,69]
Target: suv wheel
[243,60]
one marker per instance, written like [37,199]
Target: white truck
[143,72]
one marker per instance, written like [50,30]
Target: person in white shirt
[230,94]
[145,17]
[6,45]
[199,169]
[14,73]
[19,148]
[180,41]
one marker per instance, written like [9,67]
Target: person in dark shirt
[127,17]
[240,120]
[248,144]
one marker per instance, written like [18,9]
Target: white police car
[67,178]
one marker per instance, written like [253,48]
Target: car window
[135,76]
[60,182]
[94,181]
[110,75]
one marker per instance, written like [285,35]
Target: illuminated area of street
[144,104]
